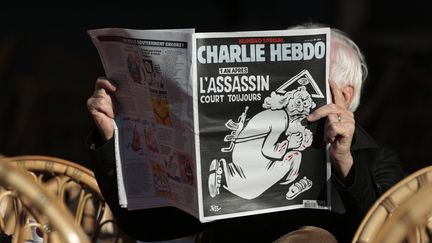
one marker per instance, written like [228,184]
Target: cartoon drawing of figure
[172,167]
[161,111]
[266,149]
[150,139]
[148,71]
[188,172]
[152,75]
[160,179]
[135,142]
[133,64]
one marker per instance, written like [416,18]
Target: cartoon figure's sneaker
[295,189]
[215,176]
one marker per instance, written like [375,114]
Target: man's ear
[348,94]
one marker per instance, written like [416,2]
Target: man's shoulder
[363,140]
[366,149]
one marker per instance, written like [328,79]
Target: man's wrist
[343,164]
[95,139]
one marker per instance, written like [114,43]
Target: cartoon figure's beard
[298,116]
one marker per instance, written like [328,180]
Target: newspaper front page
[256,152]
[214,123]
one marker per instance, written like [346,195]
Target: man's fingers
[324,111]
[100,93]
[342,129]
[338,98]
[336,108]
[102,99]
[333,117]
[104,83]
[99,105]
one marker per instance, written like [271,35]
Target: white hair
[347,64]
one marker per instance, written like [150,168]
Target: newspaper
[215,123]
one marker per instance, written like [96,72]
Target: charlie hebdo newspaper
[215,123]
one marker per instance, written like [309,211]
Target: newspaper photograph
[256,152]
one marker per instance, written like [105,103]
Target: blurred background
[48,65]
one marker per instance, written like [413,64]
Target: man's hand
[339,130]
[100,105]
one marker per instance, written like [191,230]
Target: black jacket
[375,170]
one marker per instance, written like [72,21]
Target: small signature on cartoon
[214,208]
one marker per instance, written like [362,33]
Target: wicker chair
[29,213]
[411,222]
[394,205]
[75,186]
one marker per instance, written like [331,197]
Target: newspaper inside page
[154,136]
[256,152]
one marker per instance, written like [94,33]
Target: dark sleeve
[374,171]
[154,224]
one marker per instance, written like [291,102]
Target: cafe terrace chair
[411,222]
[391,209]
[28,213]
[76,187]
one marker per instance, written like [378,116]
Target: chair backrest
[29,213]
[76,187]
[392,201]
[411,222]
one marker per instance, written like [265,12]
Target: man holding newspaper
[363,170]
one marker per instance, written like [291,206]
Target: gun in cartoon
[236,127]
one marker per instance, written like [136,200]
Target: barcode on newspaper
[310,204]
